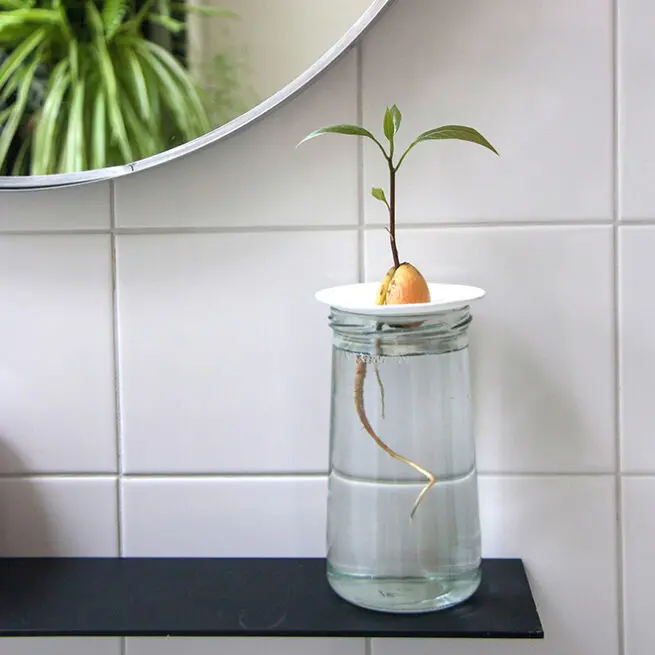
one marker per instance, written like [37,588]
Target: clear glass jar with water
[403,522]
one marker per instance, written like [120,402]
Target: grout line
[58,476]
[496,223]
[636,221]
[616,263]
[360,226]
[361,252]
[319,475]
[117,376]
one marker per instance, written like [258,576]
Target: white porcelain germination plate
[360,299]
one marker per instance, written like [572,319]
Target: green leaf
[113,12]
[167,22]
[44,136]
[109,80]
[137,81]
[19,167]
[397,118]
[378,194]
[99,139]
[75,134]
[205,11]
[8,5]
[351,130]
[191,102]
[45,16]
[17,112]
[4,115]
[460,132]
[18,56]
[388,125]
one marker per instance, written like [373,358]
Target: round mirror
[93,89]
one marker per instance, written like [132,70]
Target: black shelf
[201,597]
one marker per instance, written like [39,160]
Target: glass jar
[403,530]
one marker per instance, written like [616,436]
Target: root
[379,379]
[360,375]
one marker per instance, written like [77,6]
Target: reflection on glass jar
[403,520]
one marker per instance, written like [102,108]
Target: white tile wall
[537,321]
[534,77]
[60,646]
[229,517]
[637,244]
[223,354]
[58,517]
[638,535]
[56,361]
[84,207]
[253,646]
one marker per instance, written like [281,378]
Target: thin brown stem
[360,376]
[392,214]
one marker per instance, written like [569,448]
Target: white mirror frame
[331,56]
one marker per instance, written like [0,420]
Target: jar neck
[437,333]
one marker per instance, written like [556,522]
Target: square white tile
[74,208]
[228,517]
[564,529]
[224,352]
[58,517]
[259,177]
[638,564]
[250,646]
[541,340]
[637,316]
[534,77]
[636,107]
[56,362]
[60,646]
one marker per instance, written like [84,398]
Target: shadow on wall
[25,529]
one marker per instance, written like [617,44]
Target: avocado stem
[392,213]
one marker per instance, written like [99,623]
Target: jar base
[404,595]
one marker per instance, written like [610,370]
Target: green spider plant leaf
[109,80]
[113,13]
[164,85]
[193,101]
[378,194]
[44,141]
[4,115]
[140,137]
[132,26]
[75,157]
[205,11]
[177,90]
[20,164]
[99,133]
[460,132]
[351,130]
[73,57]
[20,54]
[8,5]
[17,112]
[135,80]
[171,24]
[42,16]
